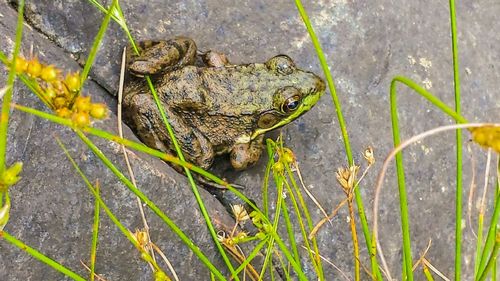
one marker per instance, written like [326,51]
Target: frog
[213,107]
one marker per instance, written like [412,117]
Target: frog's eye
[287,99]
[282,64]
[291,104]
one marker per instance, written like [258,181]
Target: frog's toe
[215,59]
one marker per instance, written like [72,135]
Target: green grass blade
[275,238]
[39,256]
[479,242]
[313,254]
[399,158]
[490,238]
[265,184]
[497,188]
[97,41]
[95,237]
[277,214]
[290,232]
[255,251]
[328,76]
[117,16]
[4,118]
[403,202]
[492,259]
[345,136]
[270,242]
[459,152]
[300,274]
[131,144]
[428,96]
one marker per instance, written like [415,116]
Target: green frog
[213,107]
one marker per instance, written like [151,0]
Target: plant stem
[97,41]
[95,236]
[39,256]
[458,192]
[4,117]
[492,260]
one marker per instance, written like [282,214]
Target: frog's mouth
[306,104]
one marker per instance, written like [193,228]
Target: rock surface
[366,43]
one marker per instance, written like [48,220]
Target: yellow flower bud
[242,235]
[82,104]
[49,73]
[278,167]
[496,146]
[60,102]
[72,82]
[288,155]
[81,119]
[479,136]
[20,65]
[34,67]
[63,112]
[98,110]
[11,175]
[488,136]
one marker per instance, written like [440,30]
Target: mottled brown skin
[214,108]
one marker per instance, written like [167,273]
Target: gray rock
[366,43]
[52,210]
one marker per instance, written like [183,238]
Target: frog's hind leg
[161,56]
[143,116]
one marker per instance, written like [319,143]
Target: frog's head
[300,93]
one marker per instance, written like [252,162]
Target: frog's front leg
[160,56]
[244,155]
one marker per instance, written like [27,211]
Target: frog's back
[209,100]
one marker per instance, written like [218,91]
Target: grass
[281,235]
